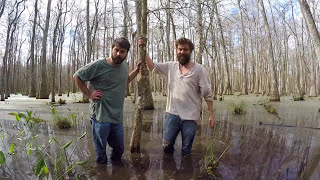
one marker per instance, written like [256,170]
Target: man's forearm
[132,75]
[82,86]
[149,62]
[210,107]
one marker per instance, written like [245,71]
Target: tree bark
[144,90]
[33,90]
[54,54]
[199,30]
[314,34]
[44,92]
[243,53]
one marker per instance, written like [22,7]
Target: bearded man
[109,78]
[188,83]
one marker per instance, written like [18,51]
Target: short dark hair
[185,41]
[122,42]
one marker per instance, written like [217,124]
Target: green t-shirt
[112,80]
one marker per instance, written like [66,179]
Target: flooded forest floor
[253,145]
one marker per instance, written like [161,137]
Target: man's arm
[211,116]
[95,95]
[149,61]
[134,73]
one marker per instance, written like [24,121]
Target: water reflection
[245,149]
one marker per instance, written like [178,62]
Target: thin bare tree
[274,95]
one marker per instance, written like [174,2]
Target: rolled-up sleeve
[162,68]
[205,85]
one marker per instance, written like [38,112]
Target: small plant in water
[63,121]
[298,98]
[238,108]
[61,101]
[25,145]
[211,159]
[270,109]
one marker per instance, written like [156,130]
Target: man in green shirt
[109,78]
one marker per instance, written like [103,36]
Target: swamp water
[280,148]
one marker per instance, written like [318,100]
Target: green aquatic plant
[61,101]
[63,162]
[270,109]
[298,98]
[238,108]
[29,117]
[27,146]
[212,158]
[2,158]
[63,121]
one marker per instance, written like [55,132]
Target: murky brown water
[245,149]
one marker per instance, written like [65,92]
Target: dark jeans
[104,132]
[171,128]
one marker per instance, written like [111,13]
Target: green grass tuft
[238,108]
[61,101]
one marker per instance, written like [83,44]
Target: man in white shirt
[188,82]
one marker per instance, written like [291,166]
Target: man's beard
[117,60]
[183,59]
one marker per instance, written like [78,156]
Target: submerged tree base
[136,133]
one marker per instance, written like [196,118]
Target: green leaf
[29,113]
[11,151]
[73,116]
[69,168]
[21,115]
[29,149]
[81,163]
[34,137]
[41,168]
[46,170]
[37,120]
[53,139]
[27,119]
[2,136]
[53,111]
[55,165]
[18,118]
[83,135]
[68,144]
[12,114]
[2,158]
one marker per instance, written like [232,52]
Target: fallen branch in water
[284,125]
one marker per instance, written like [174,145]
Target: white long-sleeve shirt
[185,92]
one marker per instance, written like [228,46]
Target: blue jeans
[171,128]
[104,132]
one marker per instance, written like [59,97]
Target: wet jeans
[103,133]
[171,128]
